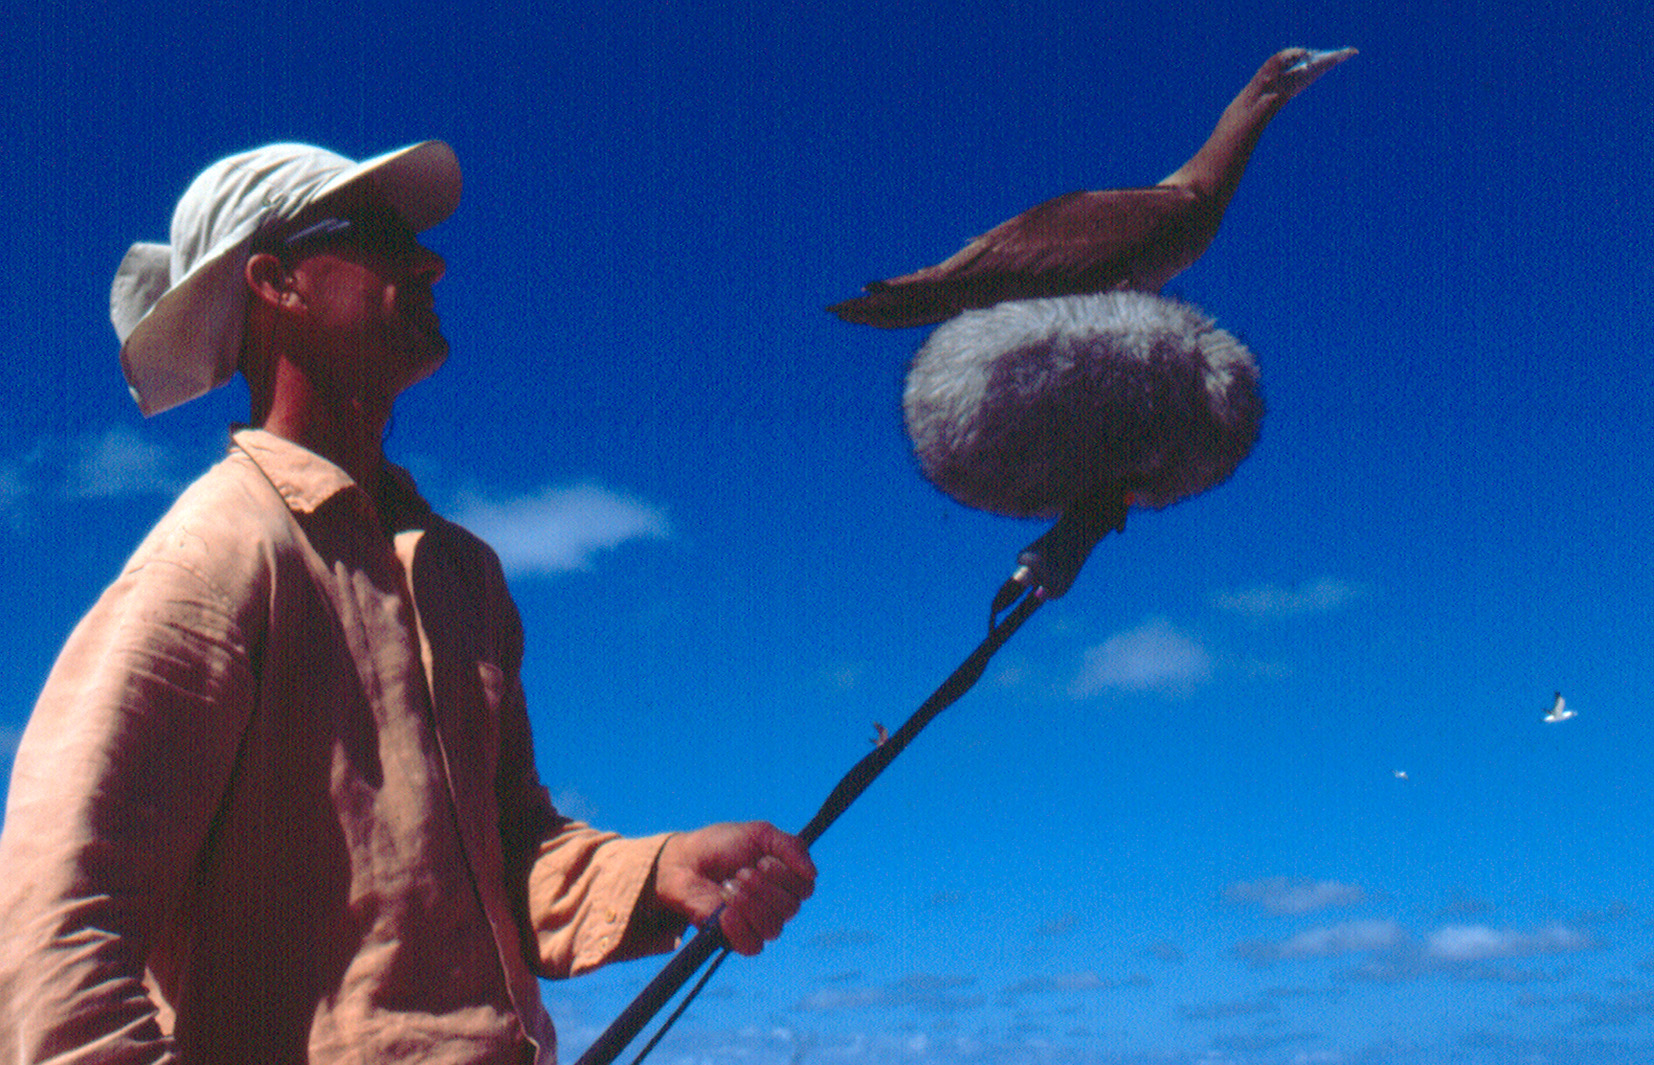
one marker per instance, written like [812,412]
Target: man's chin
[426,361]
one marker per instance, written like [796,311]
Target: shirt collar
[306,480]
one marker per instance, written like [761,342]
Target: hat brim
[189,341]
[420,182]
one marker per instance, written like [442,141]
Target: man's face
[368,308]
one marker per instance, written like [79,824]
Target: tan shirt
[277,802]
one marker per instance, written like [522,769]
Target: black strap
[709,940]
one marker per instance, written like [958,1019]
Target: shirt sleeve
[583,897]
[588,892]
[581,894]
[113,791]
[584,891]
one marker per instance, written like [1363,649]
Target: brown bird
[1093,241]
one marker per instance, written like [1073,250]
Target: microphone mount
[1049,565]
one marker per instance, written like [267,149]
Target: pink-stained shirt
[277,802]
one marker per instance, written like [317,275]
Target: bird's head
[1288,73]
[1216,169]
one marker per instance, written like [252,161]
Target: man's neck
[346,433]
[353,447]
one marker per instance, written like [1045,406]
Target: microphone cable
[1064,554]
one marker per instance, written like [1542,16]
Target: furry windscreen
[1027,406]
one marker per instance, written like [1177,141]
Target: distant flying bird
[1557,713]
[1401,774]
[1094,241]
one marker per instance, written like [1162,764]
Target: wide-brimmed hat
[180,308]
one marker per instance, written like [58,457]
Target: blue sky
[1169,825]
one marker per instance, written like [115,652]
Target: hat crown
[243,193]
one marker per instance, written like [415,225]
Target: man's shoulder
[225,527]
[235,495]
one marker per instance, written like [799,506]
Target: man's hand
[755,871]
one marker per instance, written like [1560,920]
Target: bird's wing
[1071,235]
[1084,241]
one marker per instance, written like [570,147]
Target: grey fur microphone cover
[1025,407]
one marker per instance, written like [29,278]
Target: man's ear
[270,280]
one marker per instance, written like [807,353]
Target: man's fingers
[735,921]
[760,875]
[791,853]
[758,906]
[776,872]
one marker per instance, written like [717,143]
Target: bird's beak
[1303,73]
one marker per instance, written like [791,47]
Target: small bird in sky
[1135,238]
[1557,712]
[881,735]
[1401,774]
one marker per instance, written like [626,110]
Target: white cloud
[1154,656]
[119,463]
[570,803]
[918,991]
[845,677]
[1325,942]
[844,939]
[1280,896]
[560,529]
[1343,939]
[1058,926]
[1068,983]
[1473,943]
[1464,952]
[14,486]
[1077,981]
[1223,1011]
[1319,596]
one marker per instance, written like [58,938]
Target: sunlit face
[367,304]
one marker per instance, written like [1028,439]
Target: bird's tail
[890,306]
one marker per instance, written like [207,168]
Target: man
[277,802]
